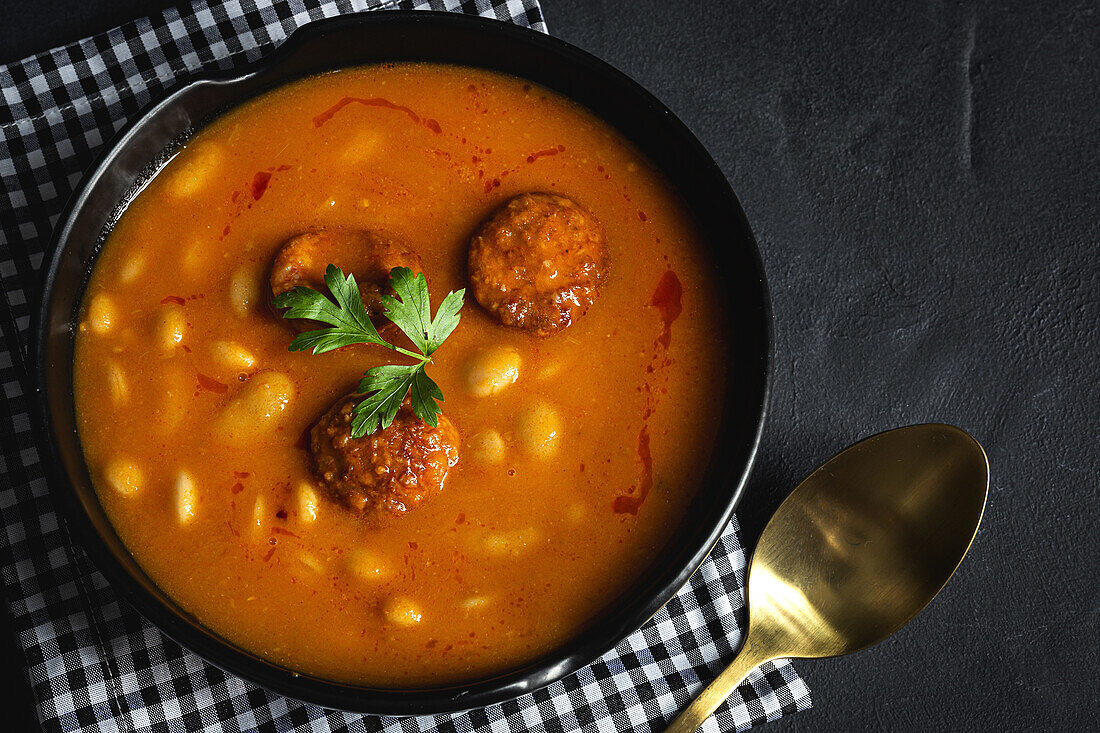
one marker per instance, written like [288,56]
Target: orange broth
[510,559]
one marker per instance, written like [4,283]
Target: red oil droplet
[212,385]
[630,503]
[668,300]
[375,102]
[544,153]
[259,184]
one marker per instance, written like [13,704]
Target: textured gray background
[923,179]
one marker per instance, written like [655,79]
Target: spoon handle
[717,691]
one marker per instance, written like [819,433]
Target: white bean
[100,316]
[362,147]
[124,476]
[401,611]
[310,561]
[117,385]
[487,447]
[194,255]
[308,503]
[538,430]
[244,291]
[131,268]
[187,497]
[171,327]
[491,369]
[549,370]
[368,566]
[193,169]
[512,542]
[473,603]
[259,516]
[257,406]
[232,355]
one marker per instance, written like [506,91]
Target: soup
[582,385]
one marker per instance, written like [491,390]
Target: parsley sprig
[384,387]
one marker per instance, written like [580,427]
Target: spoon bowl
[857,550]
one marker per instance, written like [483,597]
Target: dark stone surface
[923,181]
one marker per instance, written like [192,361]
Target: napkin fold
[93,663]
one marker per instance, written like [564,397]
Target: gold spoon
[857,550]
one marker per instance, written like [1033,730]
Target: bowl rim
[595,640]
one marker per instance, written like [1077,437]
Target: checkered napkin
[93,663]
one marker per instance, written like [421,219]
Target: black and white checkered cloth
[93,663]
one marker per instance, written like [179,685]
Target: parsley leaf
[425,392]
[349,319]
[446,318]
[411,310]
[385,387]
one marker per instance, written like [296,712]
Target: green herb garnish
[384,387]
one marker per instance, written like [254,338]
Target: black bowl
[440,37]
